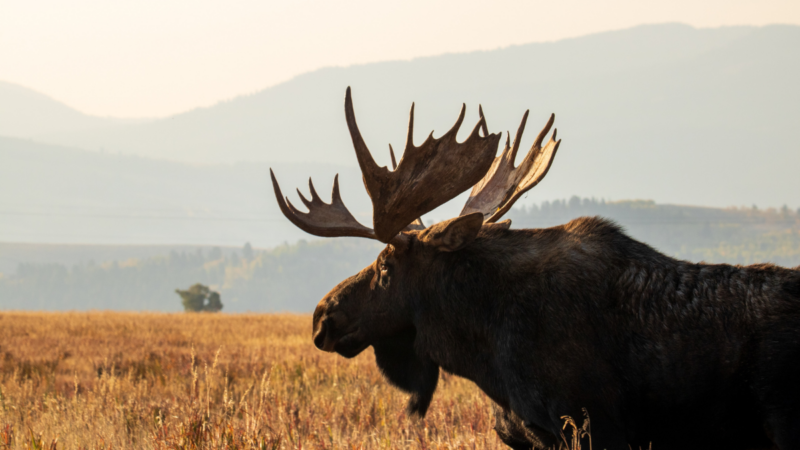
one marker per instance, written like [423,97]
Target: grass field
[117,380]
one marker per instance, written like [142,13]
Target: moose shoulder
[550,321]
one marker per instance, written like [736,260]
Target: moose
[556,321]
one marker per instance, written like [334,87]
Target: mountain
[25,113]
[596,82]
[62,195]
[56,194]
[669,112]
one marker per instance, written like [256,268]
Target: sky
[155,58]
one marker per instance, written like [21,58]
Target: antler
[426,177]
[504,184]
[322,219]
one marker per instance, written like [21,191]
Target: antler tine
[336,197]
[314,195]
[484,127]
[518,137]
[394,161]
[426,177]
[410,134]
[454,129]
[540,137]
[302,199]
[504,184]
[369,168]
[322,219]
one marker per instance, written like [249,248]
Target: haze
[137,138]
[691,103]
[157,58]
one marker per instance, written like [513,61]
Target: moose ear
[453,234]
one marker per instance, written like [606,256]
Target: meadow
[196,381]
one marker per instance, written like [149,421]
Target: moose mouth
[350,345]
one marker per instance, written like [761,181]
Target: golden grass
[186,381]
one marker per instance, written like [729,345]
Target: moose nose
[319,336]
[322,337]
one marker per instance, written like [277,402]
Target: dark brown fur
[550,321]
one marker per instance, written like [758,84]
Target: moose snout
[322,336]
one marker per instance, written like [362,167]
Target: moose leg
[512,431]
[513,437]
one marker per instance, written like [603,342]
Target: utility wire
[121,216]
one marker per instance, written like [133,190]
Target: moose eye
[384,268]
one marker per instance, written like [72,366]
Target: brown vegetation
[108,380]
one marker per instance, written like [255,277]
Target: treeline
[745,235]
[287,278]
[295,277]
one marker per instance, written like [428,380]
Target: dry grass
[108,380]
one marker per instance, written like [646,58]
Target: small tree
[200,298]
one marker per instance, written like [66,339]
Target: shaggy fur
[547,322]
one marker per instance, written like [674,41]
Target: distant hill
[294,277]
[713,235]
[288,278]
[25,113]
[681,115]
[56,194]
[12,254]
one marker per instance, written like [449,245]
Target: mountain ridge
[27,113]
[668,112]
[199,134]
[7,88]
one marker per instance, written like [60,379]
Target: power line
[128,240]
[48,206]
[121,216]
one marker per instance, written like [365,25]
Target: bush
[200,298]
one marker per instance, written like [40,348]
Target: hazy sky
[160,57]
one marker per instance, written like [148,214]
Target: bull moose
[550,321]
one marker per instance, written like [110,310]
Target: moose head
[377,305]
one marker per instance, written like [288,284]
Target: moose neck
[470,303]
[463,302]
[460,304]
